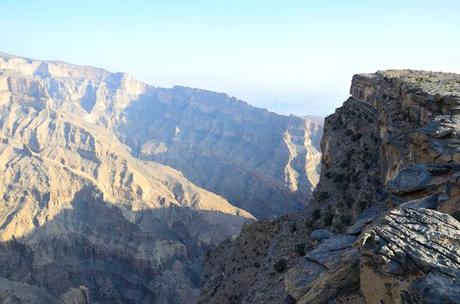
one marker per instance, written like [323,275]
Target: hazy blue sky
[288,56]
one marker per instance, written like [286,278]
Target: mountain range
[113,190]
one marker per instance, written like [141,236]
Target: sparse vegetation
[289,300]
[339,227]
[345,219]
[323,195]
[280,265]
[316,214]
[328,218]
[300,249]
[339,178]
[356,137]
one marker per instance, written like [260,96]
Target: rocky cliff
[87,211]
[382,225]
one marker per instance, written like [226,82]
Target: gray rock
[438,288]
[410,180]
[438,130]
[320,234]
[411,254]
[429,202]
[366,217]
[332,266]
[322,254]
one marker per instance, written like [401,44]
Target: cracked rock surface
[393,146]
[407,254]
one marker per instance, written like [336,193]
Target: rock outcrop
[331,263]
[390,158]
[411,256]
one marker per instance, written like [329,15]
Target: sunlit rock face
[265,163]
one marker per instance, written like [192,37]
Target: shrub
[300,249]
[316,214]
[356,137]
[338,226]
[322,196]
[289,300]
[348,132]
[293,227]
[345,219]
[328,218]
[349,201]
[280,265]
[339,178]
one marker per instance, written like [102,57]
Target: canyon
[113,190]
[116,191]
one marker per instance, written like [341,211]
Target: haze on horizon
[287,56]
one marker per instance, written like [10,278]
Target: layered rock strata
[389,190]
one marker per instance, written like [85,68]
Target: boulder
[411,255]
[410,179]
[330,267]
[76,296]
[366,217]
[320,234]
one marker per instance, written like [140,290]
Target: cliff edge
[383,224]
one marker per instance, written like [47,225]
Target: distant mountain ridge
[218,142]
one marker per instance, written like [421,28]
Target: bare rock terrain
[382,226]
[411,256]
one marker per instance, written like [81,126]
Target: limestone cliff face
[218,142]
[381,227]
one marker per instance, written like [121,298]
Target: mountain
[113,190]
[382,226]
[218,142]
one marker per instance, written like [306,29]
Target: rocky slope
[87,211]
[218,142]
[381,227]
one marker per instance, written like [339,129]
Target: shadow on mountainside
[154,258]
[225,148]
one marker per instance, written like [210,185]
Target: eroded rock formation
[218,142]
[88,213]
[390,158]
[411,256]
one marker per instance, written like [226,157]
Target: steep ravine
[382,225]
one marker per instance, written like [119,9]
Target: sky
[288,56]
